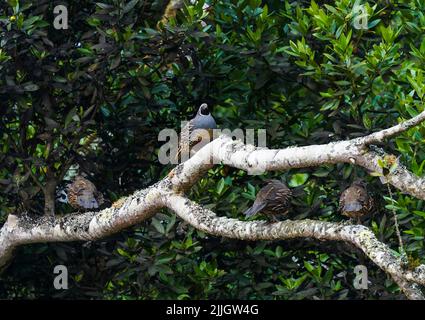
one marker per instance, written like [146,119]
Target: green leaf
[31,87]
[104,5]
[70,116]
[165,258]
[220,186]
[373,23]
[279,251]
[123,253]
[308,266]
[298,179]
[129,6]
[158,225]
[419,213]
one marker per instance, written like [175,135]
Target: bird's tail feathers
[256,207]
[298,192]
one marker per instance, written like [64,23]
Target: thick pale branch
[258,160]
[358,235]
[19,230]
[410,289]
[401,178]
[24,229]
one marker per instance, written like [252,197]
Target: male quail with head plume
[198,129]
[273,199]
[83,195]
[355,201]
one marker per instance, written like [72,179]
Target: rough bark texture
[143,204]
[49,201]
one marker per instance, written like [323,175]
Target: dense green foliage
[96,95]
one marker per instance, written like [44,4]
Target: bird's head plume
[203,110]
[62,196]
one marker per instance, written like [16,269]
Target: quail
[196,130]
[82,195]
[355,201]
[273,199]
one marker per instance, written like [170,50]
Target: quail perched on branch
[200,128]
[355,201]
[272,200]
[82,195]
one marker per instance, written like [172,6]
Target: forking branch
[143,204]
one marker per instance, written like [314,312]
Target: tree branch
[410,289]
[20,230]
[34,178]
[358,235]
[380,136]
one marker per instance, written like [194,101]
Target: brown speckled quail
[83,195]
[272,200]
[355,201]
